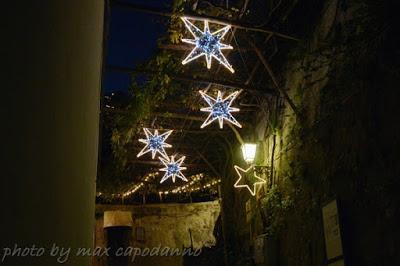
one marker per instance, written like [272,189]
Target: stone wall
[166,225]
[344,145]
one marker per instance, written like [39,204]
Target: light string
[192,186]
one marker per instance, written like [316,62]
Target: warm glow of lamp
[249,152]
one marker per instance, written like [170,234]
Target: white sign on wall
[333,238]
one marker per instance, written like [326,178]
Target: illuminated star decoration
[172,168]
[220,109]
[155,143]
[249,177]
[207,43]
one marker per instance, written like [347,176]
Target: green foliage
[152,83]
[148,88]
[277,204]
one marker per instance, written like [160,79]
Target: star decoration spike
[247,172]
[220,109]
[207,43]
[172,168]
[155,143]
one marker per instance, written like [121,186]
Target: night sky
[132,39]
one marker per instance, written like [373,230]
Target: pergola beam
[158,163]
[208,163]
[179,116]
[234,24]
[184,47]
[166,108]
[274,79]
[184,117]
[200,131]
[223,83]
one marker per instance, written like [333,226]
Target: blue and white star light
[155,143]
[207,43]
[220,109]
[172,168]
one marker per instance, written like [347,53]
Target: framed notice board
[332,233]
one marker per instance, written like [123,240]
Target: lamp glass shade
[249,152]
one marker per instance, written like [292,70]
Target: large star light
[207,43]
[220,109]
[250,176]
[172,168]
[155,143]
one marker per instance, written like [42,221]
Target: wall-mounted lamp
[249,152]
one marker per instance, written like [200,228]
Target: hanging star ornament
[155,143]
[172,168]
[250,176]
[207,43]
[220,109]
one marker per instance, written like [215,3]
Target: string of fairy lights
[209,44]
[194,185]
[137,187]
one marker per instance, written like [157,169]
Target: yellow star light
[239,171]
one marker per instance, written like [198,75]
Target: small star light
[172,168]
[155,143]
[207,43]
[220,109]
[250,177]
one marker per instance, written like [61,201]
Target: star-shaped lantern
[220,109]
[207,43]
[172,168]
[250,176]
[155,143]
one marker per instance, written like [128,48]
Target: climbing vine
[149,87]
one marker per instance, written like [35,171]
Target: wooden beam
[175,47]
[179,116]
[184,47]
[208,163]
[200,131]
[274,79]
[237,134]
[158,163]
[223,83]
[234,24]
[166,107]
[254,70]
[185,117]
